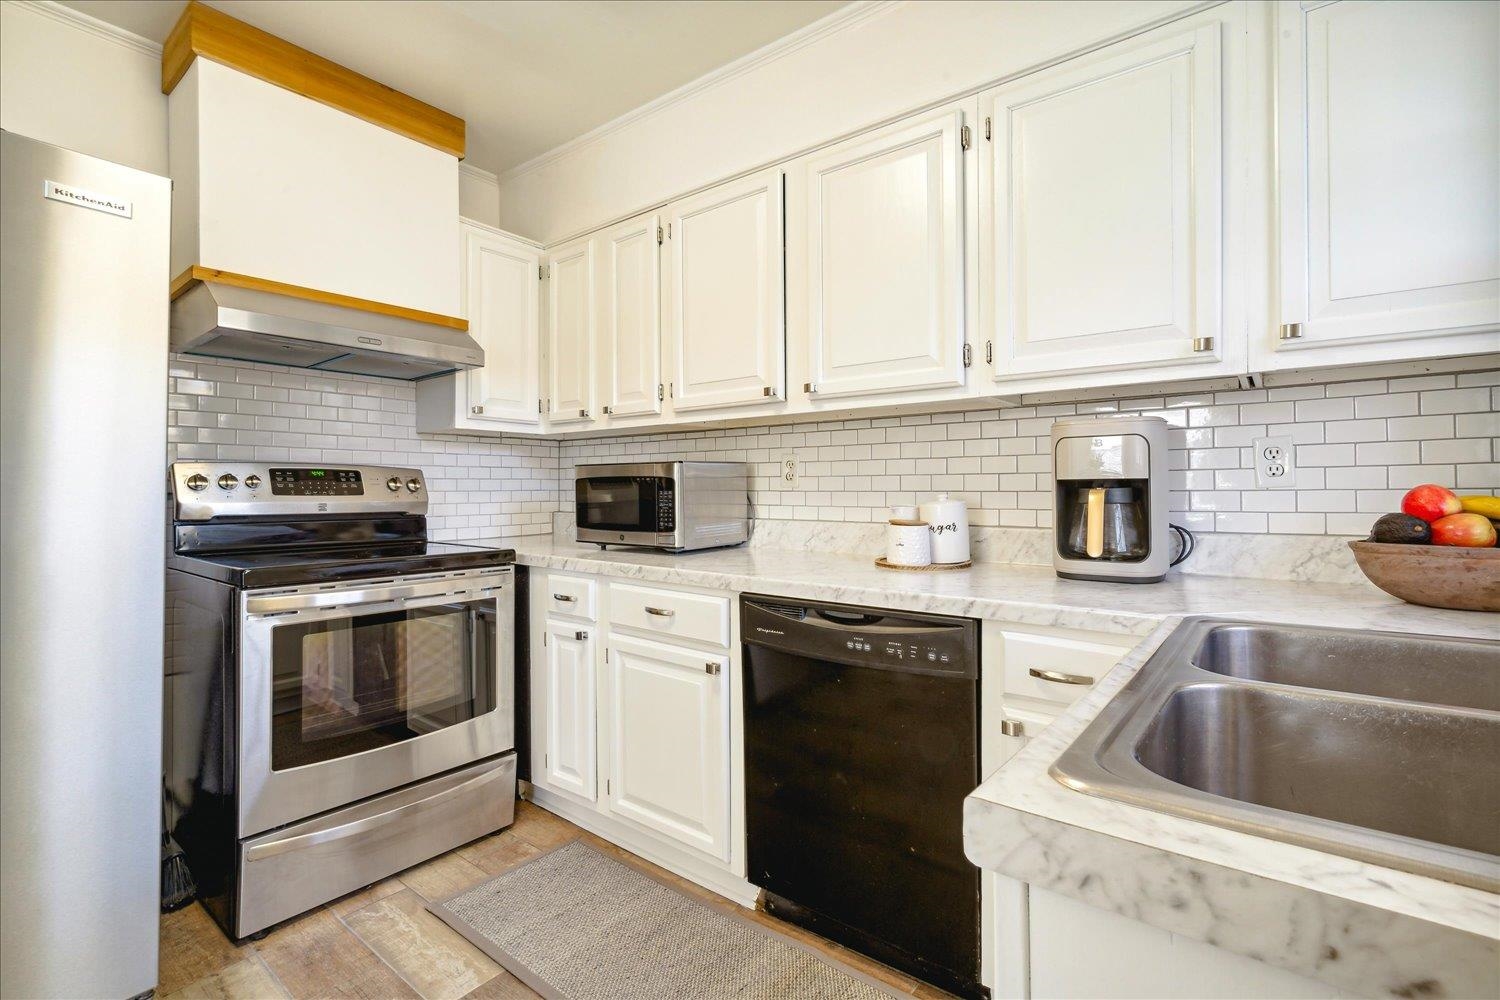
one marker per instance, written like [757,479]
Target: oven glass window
[619,503]
[341,686]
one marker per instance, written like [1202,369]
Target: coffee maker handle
[1094,533]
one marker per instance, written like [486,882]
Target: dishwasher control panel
[863,636]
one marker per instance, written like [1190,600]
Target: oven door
[347,691]
[636,509]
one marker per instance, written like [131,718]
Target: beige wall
[73,84]
[846,73]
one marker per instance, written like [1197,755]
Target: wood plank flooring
[381,943]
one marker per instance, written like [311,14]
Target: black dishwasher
[861,742]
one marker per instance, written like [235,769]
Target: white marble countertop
[1361,927]
[1031,595]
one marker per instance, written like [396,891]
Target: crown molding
[842,19]
[80,21]
[477,173]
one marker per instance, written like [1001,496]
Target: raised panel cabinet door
[669,741]
[885,260]
[629,261]
[570,334]
[501,292]
[725,299]
[569,749]
[1389,157]
[1103,227]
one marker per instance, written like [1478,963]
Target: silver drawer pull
[580,636]
[660,612]
[711,668]
[564,597]
[1057,677]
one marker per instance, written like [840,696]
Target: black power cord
[1185,542]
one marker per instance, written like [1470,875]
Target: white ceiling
[526,75]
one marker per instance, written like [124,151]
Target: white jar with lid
[948,521]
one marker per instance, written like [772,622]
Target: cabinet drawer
[1055,669]
[670,613]
[571,595]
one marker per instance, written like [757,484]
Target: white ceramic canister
[908,543]
[948,521]
[904,512]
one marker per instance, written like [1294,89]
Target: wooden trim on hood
[198,272]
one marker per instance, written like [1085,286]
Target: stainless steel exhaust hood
[225,321]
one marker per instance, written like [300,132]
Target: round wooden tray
[931,567]
[1436,576]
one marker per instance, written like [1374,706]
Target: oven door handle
[257,852]
[275,604]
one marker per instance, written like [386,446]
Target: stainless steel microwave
[677,506]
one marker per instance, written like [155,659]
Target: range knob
[252,482]
[197,482]
[393,484]
[228,481]
[412,485]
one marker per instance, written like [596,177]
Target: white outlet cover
[1275,463]
[789,464]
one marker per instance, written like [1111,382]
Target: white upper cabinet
[570,333]
[669,741]
[1388,135]
[629,272]
[1102,232]
[565,742]
[501,290]
[725,316]
[885,260]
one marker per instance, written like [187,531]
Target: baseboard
[673,859]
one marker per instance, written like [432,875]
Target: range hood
[220,320]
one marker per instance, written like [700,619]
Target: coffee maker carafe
[1109,509]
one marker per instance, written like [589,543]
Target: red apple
[1472,531]
[1430,502]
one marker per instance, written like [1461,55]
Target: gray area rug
[576,924]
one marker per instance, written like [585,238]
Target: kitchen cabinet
[1388,135]
[668,740]
[1128,958]
[885,259]
[725,318]
[565,689]
[629,324]
[1102,217]
[502,300]
[570,333]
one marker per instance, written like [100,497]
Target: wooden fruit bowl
[1434,576]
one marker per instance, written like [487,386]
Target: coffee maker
[1109,506]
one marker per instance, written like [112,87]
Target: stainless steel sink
[1378,746]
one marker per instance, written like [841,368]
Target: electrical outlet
[789,471]
[1275,463]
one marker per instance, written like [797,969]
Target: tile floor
[381,943]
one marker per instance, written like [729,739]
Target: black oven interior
[344,685]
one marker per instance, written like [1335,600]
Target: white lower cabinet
[566,739]
[668,731]
[635,720]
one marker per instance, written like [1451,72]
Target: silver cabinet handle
[1012,727]
[711,668]
[1057,677]
[580,636]
[660,612]
[567,598]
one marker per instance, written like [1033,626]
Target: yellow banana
[1488,506]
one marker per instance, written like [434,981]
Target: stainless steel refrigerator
[83,381]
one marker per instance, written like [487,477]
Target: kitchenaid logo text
[86,199]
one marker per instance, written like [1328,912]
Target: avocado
[1401,529]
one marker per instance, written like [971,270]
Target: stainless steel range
[339,690]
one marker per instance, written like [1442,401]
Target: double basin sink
[1383,747]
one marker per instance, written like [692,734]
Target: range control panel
[204,490]
[316,482]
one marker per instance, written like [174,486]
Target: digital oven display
[316,483]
